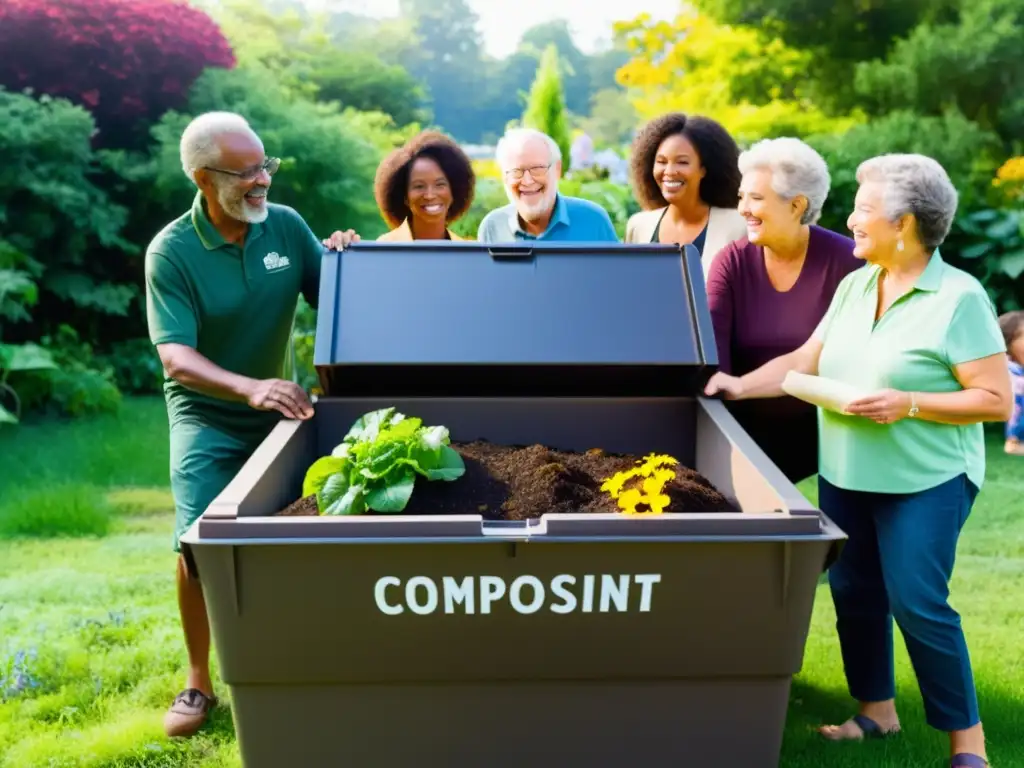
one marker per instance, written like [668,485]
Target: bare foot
[1014,448]
[874,722]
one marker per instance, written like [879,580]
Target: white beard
[535,210]
[238,209]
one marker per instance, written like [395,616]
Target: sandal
[188,712]
[967,760]
[872,730]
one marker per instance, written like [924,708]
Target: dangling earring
[899,244]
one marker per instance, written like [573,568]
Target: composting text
[601,593]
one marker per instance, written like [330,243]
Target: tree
[449,60]
[329,155]
[545,108]
[834,35]
[754,85]
[126,61]
[575,70]
[612,118]
[973,63]
[306,57]
[56,219]
[366,83]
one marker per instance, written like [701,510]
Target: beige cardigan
[724,226]
[403,232]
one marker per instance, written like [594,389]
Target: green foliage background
[331,93]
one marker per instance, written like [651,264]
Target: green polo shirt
[236,306]
[945,320]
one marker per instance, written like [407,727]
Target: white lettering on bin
[458,592]
[526,594]
[378,594]
[568,604]
[410,595]
[491,588]
[516,595]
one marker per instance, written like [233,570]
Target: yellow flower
[1011,170]
[629,500]
[651,468]
[613,485]
[653,486]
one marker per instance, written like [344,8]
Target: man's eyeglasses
[536,171]
[270,165]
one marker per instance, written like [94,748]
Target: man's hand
[287,397]
[885,407]
[728,385]
[339,241]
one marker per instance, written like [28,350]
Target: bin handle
[511,253]
[513,528]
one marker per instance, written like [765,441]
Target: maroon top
[754,323]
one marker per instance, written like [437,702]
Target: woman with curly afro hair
[686,177]
[424,186]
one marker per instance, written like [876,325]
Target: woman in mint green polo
[900,471]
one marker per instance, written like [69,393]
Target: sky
[502,22]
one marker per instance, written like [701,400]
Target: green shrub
[303,340]
[136,367]
[59,509]
[989,243]
[968,153]
[80,391]
[490,194]
[617,199]
[329,155]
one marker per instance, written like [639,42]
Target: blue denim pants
[896,565]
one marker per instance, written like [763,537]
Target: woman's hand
[885,407]
[728,385]
[339,241]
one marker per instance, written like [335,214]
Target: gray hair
[516,138]
[199,139]
[917,185]
[796,168]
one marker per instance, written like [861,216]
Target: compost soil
[517,483]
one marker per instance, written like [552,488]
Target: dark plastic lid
[444,318]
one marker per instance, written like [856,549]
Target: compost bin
[564,640]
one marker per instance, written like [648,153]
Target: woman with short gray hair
[901,465]
[769,290]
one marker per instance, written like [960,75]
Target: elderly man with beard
[222,284]
[531,164]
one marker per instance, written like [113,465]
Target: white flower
[433,437]
[341,452]
[397,418]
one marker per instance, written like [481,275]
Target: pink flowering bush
[126,61]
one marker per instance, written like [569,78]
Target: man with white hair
[531,164]
[222,284]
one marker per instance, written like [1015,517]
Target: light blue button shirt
[573,219]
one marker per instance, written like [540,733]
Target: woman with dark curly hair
[424,186]
[686,177]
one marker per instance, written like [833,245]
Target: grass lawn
[91,652]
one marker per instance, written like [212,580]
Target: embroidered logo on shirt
[273,261]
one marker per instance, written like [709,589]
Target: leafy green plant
[375,465]
[19,358]
[989,243]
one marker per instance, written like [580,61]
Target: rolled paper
[825,393]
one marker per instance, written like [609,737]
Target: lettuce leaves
[376,464]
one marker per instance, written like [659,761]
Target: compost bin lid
[441,318]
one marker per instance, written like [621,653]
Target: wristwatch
[913,407]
